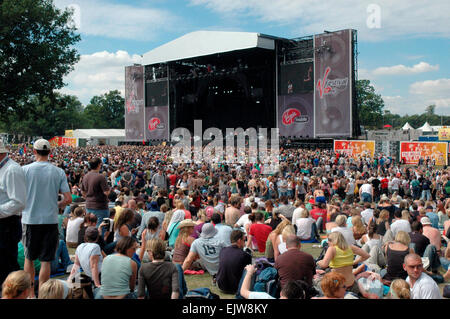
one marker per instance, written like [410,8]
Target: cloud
[431,87]
[99,73]
[396,18]
[100,18]
[401,69]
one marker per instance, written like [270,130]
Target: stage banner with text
[333,84]
[134,103]
[157,123]
[411,152]
[355,148]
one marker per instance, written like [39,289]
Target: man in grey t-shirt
[208,248]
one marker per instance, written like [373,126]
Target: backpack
[267,281]
[201,293]
[261,264]
[81,287]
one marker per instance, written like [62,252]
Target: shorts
[40,241]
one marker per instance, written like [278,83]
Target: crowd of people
[139,223]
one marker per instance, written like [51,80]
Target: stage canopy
[201,43]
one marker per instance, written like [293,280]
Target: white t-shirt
[73,227]
[304,226]
[367,215]
[347,233]
[424,288]
[399,225]
[84,252]
[259,295]
[243,221]
[366,188]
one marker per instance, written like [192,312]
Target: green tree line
[50,116]
[373,115]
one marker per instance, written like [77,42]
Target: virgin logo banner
[296,115]
[134,103]
[333,79]
[157,122]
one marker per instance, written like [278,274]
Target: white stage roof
[201,43]
[98,133]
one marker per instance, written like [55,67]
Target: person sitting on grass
[207,248]
[340,258]
[17,285]
[333,286]
[232,261]
[158,279]
[295,289]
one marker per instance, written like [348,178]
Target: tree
[370,105]
[50,116]
[430,109]
[106,111]
[36,52]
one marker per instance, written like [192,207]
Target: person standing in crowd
[12,202]
[40,216]
[95,190]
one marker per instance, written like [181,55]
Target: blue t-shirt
[44,182]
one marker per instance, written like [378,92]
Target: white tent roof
[98,133]
[426,128]
[407,127]
[201,43]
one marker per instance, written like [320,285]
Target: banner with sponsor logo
[355,148]
[157,122]
[296,115]
[134,103]
[444,134]
[333,84]
[411,152]
[63,141]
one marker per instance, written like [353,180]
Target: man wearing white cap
[40,235]
[12,202]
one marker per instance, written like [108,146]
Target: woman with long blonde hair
[340,258]
[272,251]
[358,227]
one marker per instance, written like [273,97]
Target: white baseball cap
[41,145]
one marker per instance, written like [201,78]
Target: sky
[403,45]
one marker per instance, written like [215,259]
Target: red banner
[411,152]
[355,148]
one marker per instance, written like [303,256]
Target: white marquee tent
[100,136]
[426,128]
[407,126]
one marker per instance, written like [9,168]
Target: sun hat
[208,231]
[425,221]
[41,145]
[186,223]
